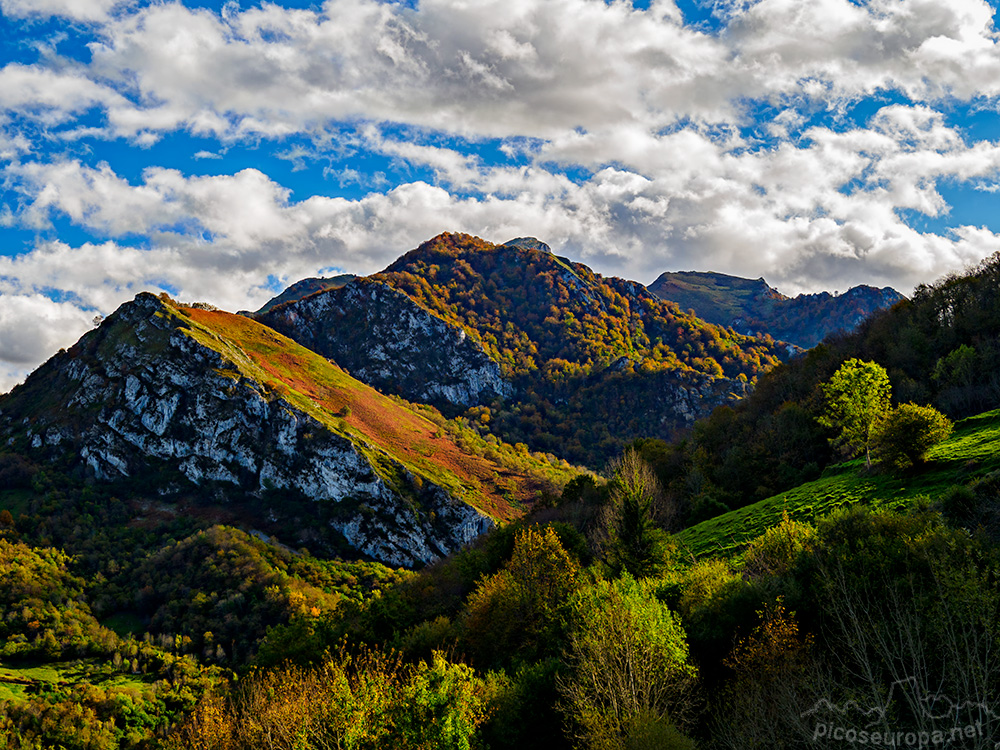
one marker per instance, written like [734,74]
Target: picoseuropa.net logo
[899,737]
[934,721]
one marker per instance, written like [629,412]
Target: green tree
[631,683]
[518,611]
[628,533]
[857,399]
[906,434]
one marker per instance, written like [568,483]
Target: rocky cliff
[220,402]
[387,340]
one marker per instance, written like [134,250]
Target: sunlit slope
[972,451]
[382,426]
[161,392]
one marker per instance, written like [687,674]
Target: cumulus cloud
[77,10]
[820,214]
[52,96]
[656,120]
[32,328]
[528,68]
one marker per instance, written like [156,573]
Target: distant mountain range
[753,307]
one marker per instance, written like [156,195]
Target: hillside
[754,307]
[175,488]
[969,454]
[172,397]
[942,348]
[551,349]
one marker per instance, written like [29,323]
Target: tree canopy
[857,398]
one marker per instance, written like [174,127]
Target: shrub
[775,551]
[704,580]
[903,438]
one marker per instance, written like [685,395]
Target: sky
[221,151]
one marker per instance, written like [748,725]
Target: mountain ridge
[547,342]
[304,288]
[188,393]
[753,307]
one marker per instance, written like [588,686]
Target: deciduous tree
[857,399]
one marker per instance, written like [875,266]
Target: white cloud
[821,214]
[32,328]
[487,68]
[528,68]
[52,96]
[77,10]
[652,109]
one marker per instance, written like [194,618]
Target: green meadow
[970,452]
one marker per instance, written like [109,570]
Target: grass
[9,692]
[716,297]
[17,682]
[387,432]
[973,450]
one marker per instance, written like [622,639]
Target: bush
[372,700]
[903,438]
[776,550]
[703,581]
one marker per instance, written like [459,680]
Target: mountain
[753,307]
[559,357]
[175,400]
[305,287]
[384,338]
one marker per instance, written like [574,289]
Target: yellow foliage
[774,645]
[774,551]
[517,607]
[703,581]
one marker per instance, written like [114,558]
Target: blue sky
[222,150]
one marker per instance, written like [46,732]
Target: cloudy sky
[222,150]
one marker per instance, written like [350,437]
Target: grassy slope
[715,297]
[15,682]
[970,452]
[383,427]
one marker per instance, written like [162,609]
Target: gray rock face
[528,243]
[141,393]
[385,339]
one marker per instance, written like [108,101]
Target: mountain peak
[528,243]
[201,402]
